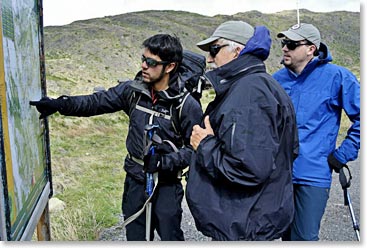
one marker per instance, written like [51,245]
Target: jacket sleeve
[191,115]
[114,99]
[349,101]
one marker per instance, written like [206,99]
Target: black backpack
[190,72]
[191,83]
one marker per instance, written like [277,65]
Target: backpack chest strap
[153,112]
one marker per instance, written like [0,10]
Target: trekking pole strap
[343,179]
[137,214]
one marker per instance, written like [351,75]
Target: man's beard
[157,79]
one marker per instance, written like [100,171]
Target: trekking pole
[149,191]
[150,131]
[347,200]
[151,138]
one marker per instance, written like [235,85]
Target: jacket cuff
[339,157]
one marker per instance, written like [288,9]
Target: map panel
[23,133]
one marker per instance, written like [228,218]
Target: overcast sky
[62,12]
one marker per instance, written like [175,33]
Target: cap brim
[290,35]
[204,45]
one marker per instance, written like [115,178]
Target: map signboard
[24,153]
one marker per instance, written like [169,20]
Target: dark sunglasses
[152,62]
[214,49]
[291,44]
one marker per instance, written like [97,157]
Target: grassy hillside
[99,51]
[87,153]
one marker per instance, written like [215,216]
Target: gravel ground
[337,224]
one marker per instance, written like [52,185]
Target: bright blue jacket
[319,95]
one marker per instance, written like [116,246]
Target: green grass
[87,170]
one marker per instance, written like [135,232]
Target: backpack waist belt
[141,162]
[136,160]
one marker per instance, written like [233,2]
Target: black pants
[166,210]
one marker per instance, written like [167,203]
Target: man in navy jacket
[319,91]
[240,182]
[149,99]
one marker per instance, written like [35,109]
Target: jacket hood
[324,54]
[222,77]
[259,44]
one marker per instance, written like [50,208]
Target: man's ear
[312,49]
[237,51]
[170,67]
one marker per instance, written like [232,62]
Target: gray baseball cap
[302,31]
[237,31]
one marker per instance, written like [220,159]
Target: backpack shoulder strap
[134,99]
[176,112]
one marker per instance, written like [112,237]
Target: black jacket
[123,97]
[240,183]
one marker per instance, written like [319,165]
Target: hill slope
[99,51]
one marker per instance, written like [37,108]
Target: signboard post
[25,168]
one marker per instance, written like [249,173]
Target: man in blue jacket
[319,91]
[240,184]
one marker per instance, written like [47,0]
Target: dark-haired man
[148,99]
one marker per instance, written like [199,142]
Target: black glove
[152,163]
[163,148]
[48,106]
[334,163]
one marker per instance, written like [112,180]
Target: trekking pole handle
[150,130]
[150,181]
[149,188]
[343,179]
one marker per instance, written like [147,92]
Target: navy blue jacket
[240,179]
[123,97]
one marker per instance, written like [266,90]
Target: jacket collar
[223,77]
[323,57]
[170,94]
